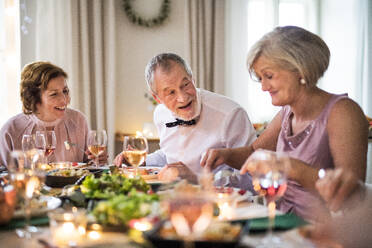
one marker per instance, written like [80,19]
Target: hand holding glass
[97,142]
[135,150]
[269,172]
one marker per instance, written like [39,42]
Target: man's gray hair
[163,61]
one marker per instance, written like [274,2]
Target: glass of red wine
[50,143]
[269,175]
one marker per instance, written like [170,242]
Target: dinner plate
[51,203]
[159,242]
[251,211]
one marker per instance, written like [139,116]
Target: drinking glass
[190,214]
[26,181]
[51,143]
[134,150]
[40,141]
[97,142]
[269,175]
[28,142]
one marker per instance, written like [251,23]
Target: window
[247,22]
[9,60]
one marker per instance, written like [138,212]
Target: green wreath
[133,16]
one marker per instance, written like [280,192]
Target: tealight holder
[68,228]
[61,165]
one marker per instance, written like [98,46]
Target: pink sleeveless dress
[312,147]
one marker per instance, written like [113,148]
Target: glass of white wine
[134,151]
[26,180]
[97,142]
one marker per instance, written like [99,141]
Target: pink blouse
[72,127]
[312,147]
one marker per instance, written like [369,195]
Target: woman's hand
[100,160]
[337,186]
[260,159]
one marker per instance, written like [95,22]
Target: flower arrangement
[156,21]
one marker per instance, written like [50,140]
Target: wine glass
[190,214]
[51,143]
[134,151]
[97,142]
[269,176]
[28,142]
[40,141]
[26,181]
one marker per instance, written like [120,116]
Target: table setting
[78,205]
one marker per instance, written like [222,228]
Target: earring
[303,81]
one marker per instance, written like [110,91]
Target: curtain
[205,39]
[364,68]
[79,36]
[364,73]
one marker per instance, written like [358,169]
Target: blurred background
[105,53]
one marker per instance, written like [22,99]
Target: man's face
[176,90]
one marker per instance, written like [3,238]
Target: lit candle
[225,205]
[142,224]
[67,228]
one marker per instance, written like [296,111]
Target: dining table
[250,212]
[287,226]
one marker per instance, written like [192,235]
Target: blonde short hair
[294,49]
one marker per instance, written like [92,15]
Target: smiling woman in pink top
[45,97]
[315,128]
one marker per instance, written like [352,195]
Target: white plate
[51,203]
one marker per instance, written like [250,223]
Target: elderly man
[191,120]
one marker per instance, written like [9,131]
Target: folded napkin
[19,223]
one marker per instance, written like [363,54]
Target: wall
[135,46]
[338,30]
[138,45]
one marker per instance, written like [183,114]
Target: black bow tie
[180,122]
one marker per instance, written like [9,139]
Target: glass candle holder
[61,165]
[68,228]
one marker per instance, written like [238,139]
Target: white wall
[135,46]
[339,32]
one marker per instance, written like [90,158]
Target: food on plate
[145,173]
[69,173]
[216,231]
[110,185]
[120,209]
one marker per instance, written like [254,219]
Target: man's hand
[100,160]
[212,158]
[118,161]
[171,172]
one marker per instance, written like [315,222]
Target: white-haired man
[191,120]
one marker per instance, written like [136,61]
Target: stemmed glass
[51,142]
[97,142]
[134,150]
[269,175]
[190,214]
[26,181]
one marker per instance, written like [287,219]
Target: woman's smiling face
[54,100]
[283,85]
